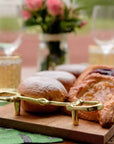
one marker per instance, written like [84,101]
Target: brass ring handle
[71,106]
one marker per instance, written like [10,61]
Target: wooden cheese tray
[55,125]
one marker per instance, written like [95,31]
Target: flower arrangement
[53,17]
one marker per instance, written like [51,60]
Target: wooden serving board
[55,125]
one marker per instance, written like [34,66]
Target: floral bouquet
[53,17]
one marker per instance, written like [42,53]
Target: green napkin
[12,136]
[3,103]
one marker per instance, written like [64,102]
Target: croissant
[96,83]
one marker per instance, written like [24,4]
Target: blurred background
[79,41]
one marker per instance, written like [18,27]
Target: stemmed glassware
[11,26]
[103,28]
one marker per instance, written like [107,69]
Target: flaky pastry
[96,83]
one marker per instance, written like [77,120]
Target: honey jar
[10,71]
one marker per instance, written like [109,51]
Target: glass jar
[10,71]
[96,56]
[52,51]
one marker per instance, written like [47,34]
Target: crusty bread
[43,87]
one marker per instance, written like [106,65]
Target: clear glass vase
[52,51]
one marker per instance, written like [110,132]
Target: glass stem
[105,58]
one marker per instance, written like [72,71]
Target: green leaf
[30,22]
[39,19]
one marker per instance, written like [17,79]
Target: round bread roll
[75,69]
[43,87]
[67,79]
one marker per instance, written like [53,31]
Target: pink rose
[34,4]
[54,7]
[26,14]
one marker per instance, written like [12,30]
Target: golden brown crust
[95,86]
[90,69]
[106,116]
[67,79]
[94,80]
[37,87]
[35,108]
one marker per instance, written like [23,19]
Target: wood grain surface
[55,125]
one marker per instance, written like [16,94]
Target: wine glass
[103,28]
[11,26]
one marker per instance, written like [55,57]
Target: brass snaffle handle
[74,106]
